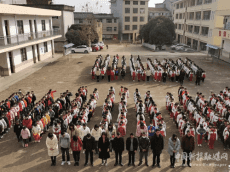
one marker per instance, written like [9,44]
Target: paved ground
[72,72]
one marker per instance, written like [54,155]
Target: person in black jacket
[103,145]
[17,130]
[181,77]
[157,145]
[164,76]
[144,144]
[88,147]
[131,147]
[118,146]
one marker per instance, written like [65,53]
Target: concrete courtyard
[73,71]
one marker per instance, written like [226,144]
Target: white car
[101,43]
[81,49]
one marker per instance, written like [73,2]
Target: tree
[159,31]
[77,37]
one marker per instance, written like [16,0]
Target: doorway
[35,28]
[12,67]
[6,22]
[33,51]
[31,29]
[38,53]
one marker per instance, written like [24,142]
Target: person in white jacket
[96,133]
[84,131]
[52,145]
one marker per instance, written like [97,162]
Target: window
[134,19]
[192,2]
[198,15]
[127,19]
[142,19]
[142,10]
[23,54]
[142,2]
[55,17]
[203,46]
[190,28]
[207,1]
[175,26]
[127,10]
[43,25]
[179,26]
[45,47]
[115,20]
[180,16]
[197,29]
[127,27]
[20,27]
[134,27]
[177,6]
[135,10]
[204,31]
[199,2]
[55,27]
[135,2]
[115,29]
[191,16]
[206,15]
[109,29]
[108,20]
[127,2]
[80,20]
[181,5]
[141,26]
[176,16]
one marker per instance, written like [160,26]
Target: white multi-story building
[26,37]
[132,14]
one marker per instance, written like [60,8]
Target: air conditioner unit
[31,38]
[44,35]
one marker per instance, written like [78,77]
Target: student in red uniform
[112,75]
[190,76]
[27,122]
[143,75]
[134,75]
[159,74]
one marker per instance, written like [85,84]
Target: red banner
[224,34]
[219,33]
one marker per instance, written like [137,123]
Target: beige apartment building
[196,23]
[155,12]
[132,14]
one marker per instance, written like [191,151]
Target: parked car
[179,46]
[99,47]
[81,49]
[94,48]
[101,43]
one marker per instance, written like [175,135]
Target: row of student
[142,144]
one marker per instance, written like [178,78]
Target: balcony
[13,42]
[23,38]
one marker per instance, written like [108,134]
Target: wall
[4,65]
[117,11]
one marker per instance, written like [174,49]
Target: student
[25,133]
[76,145]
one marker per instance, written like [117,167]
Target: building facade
[109,25]
[154,12]
[61,23]
[196,23]
[26,37]
[132,14]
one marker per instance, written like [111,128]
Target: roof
[68,45]
[157,9]
[105,16]
[20,10]
[82,15]
[59,7]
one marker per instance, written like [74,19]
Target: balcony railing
[22,38]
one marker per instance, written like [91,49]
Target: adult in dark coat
[17,129]
[118,147]
[144,144]
[181,77]
[187,145]
[157,145]
[103,146]
[131,147]
[88,146]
